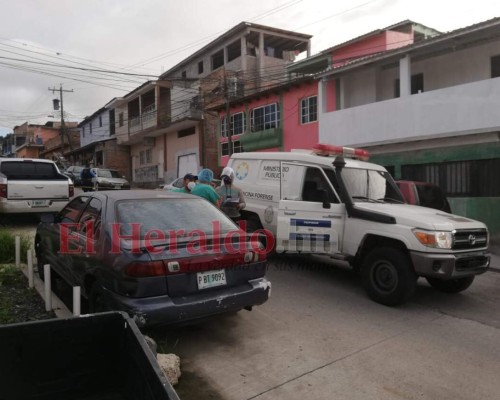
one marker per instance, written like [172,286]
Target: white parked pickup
[29,185]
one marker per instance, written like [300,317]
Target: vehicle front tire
[388,276]
[451,286]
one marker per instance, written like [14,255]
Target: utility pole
[228,115]
[56,107]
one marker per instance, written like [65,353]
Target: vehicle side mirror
[47,218]
[325,199]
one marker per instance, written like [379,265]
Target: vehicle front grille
[470,239]
[471,263]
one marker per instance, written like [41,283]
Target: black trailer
[94,357]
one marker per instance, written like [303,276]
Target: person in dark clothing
[87,176]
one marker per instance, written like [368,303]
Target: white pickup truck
[328,201]
[29,185]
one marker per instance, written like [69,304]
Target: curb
[58,306]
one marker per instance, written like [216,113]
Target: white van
[328,201]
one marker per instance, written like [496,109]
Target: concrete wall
[181,98]
[148,173]
[359,88]
[457,110]
[386,40]
[446,70]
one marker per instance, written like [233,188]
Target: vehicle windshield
[108,173]
[371,185]
[189,215]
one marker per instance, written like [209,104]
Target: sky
[148,37]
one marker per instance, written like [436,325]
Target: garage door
[187,164]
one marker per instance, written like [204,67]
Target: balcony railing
[461,109]
[146,120]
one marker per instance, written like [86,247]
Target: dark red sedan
[162,257]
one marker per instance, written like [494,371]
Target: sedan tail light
[210,262]
[146,269]
[71,190]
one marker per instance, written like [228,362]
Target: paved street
[320,337]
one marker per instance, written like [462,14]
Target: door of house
[187,164]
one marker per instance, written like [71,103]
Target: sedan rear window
[28,170]
[171,214]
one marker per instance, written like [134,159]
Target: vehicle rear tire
[96,303]
[388,276]
[451,286]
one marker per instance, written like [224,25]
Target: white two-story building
[98,144]
[428,111]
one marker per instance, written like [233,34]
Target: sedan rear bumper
[163,310]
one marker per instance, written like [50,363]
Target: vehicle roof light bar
[322,149]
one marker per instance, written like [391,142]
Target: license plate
[118,186]
[211,279]
[39,203]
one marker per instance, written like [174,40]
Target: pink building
[285,117]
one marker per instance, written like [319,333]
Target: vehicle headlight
[440,240]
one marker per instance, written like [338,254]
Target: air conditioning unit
[148,141]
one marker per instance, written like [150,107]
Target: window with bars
[266,117]
[474,178]
[149,156]
[309,110]
[238,124]
[237,148]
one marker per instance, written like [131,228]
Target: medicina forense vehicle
[329,201]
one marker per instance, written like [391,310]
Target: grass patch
[8,247]
[18,303]
[9,275]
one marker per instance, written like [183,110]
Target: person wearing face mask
[203,187]
[189,183]
[232,198]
